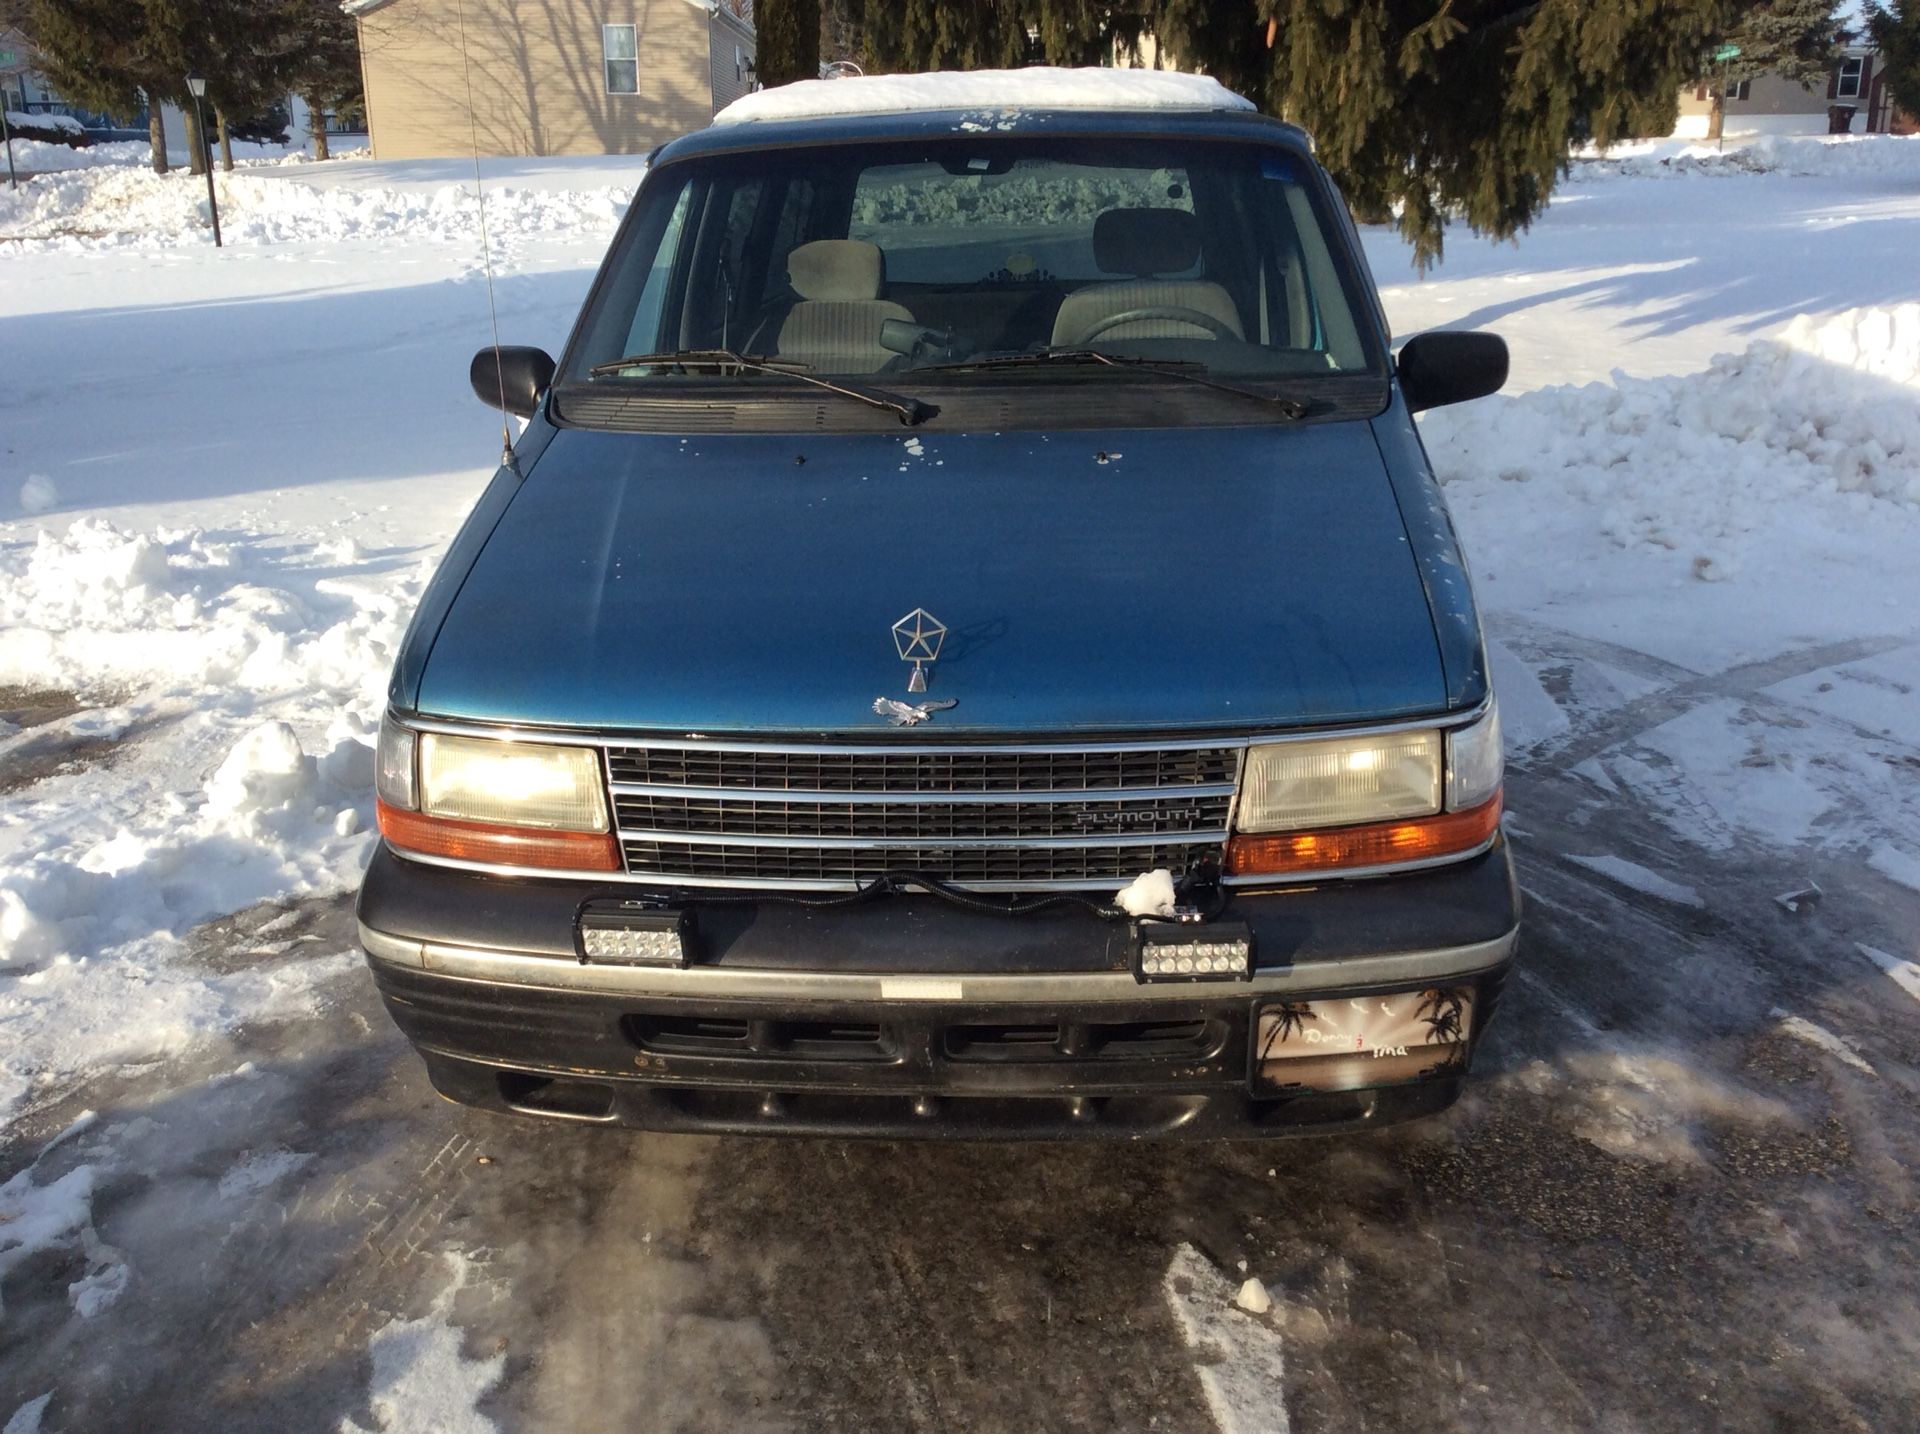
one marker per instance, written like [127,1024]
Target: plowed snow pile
[229,761]
[1872,156]
[130,207]
[1819,430]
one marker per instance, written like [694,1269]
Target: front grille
[980,816]
[984,769]
[907,820]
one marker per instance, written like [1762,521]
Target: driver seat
[1144,242]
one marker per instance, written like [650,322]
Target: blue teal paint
[1241,577]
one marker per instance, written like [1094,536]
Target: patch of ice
[1905,974]
[1630,873]
[1253,1296]
[1243,1369]
[1039,88]
[1896,865]
[35,1217]
[1528,713]
[1801,1029]
[421,1380]
[26,1419]
[1149,894]
[257,1172]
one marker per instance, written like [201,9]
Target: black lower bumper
[1042,1036]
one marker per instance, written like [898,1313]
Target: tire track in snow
[1591,736]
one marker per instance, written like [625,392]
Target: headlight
[1340,781]
[493,803]
[1475,761]
[521,784]
[1367,802]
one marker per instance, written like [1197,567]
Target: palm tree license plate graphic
[1357,1042]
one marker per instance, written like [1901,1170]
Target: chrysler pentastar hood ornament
[910,714]
[918,637]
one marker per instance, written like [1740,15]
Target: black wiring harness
[1198,890]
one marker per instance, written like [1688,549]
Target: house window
[1739,89]
[619,46]
[1849,86]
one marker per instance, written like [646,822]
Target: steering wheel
[1173,313]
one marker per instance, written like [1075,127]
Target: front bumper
[908,1017]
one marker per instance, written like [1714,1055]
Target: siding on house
[536,75]
[1774,105]
[732,59]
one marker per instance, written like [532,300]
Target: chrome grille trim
[1204,791]
[1003,816]
[824,843]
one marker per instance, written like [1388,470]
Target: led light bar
[1192,951]
[627,934]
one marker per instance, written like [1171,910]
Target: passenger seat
[836,325]
[1144,242]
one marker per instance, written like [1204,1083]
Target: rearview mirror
[1449,366]
[514,380]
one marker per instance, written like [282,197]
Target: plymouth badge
[917,637]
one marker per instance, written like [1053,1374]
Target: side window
[1850,71]
[619,48]
[645,335]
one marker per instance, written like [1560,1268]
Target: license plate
[1358,1042]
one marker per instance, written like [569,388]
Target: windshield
[934,259]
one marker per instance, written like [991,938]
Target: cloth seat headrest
[1146,241]
[837,270]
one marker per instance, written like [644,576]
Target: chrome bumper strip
[1051,988]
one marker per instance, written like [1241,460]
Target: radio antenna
[486,247]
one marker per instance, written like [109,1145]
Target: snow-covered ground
[224,476]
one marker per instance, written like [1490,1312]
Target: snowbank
[1824,418]
[130,206]
[1865,155]
[243,681]
[1040,88]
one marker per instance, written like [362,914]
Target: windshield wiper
[1185,369]
[910,410]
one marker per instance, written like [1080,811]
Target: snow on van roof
[1039,88]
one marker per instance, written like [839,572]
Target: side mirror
[1449,366]
[513,381]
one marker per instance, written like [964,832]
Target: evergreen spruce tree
[942,34]
[1895,28]
[1424,108]
[1796,39]
[325,65]
[787,47]
[1434,107]
[100,57]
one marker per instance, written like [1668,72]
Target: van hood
[1088,581]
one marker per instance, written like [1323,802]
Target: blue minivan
[968,643]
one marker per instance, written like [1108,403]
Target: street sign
[1727,52]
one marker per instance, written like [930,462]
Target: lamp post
[197,86]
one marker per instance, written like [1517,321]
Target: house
[546,77]
[1771,104]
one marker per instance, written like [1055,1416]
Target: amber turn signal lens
[1375,844]
[498,845]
